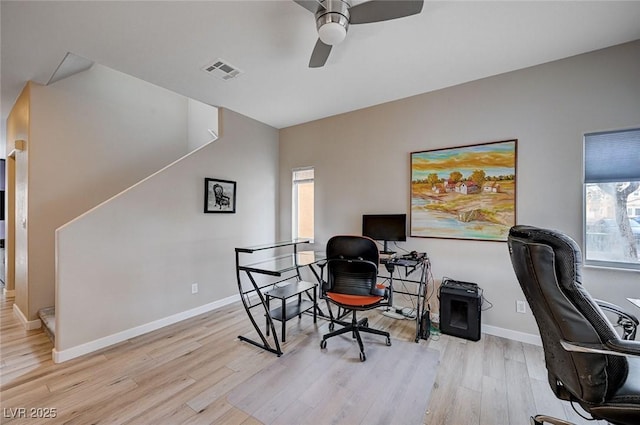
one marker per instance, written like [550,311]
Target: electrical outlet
[194,288]
[521,306]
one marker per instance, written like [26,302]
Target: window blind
[612,156]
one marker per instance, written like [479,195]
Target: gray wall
[362,163]
[127,266]
[89,137]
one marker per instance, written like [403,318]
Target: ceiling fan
[334,16]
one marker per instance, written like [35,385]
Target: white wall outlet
[194,288]
[521,306]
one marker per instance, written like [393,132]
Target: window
[612,198]
[302,205]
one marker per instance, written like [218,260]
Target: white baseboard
[28,324]
[514,335]
[98,344]
[90,347]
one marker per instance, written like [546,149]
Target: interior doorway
[7,250]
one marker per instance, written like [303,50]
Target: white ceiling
[168,42]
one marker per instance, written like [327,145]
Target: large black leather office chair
[587,361]
[351,284]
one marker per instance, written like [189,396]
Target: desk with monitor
[287,295]
[412,269]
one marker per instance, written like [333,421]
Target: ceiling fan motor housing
[332,21]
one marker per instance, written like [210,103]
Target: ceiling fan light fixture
[333,18]
[332,21]
[332,33]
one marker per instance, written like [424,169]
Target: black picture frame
[219,196]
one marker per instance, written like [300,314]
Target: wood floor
[183,373]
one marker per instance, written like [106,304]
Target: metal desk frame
[422,265]
[287,269]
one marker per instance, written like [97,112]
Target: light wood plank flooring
[182,374]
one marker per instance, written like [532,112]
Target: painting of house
[438,188]
[491,187]
[467,188]
[465,192]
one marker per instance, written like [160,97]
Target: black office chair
[587,362]
[351,284]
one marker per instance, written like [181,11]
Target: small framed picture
[219,196]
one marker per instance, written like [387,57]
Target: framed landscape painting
[466,192]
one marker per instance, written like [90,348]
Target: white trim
[9,292]
[28,324]
[514,335]
[90,347]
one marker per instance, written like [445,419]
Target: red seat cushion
[354,300]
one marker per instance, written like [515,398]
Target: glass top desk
[277,266]
[289,284]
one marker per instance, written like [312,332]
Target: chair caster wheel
[366,323]
[362,356]
[534,422]
[388,342]
[323,344]
[331,327]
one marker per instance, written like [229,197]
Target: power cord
[483,300]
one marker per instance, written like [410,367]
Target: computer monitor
[385,227]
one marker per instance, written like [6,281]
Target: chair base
[355,327]
[542,419]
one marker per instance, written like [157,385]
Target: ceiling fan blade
[383,10]
[311,5]
[319,55]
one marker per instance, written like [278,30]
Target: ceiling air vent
[222,70]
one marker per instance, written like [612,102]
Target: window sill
[611,267]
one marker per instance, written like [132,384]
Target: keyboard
[406,262]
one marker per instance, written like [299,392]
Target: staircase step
[48,317]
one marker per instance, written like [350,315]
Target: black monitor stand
[385,249]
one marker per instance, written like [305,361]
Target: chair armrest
[618,347]
[626,320]
[624,346]
[617,310]
[380,291]
[323,283]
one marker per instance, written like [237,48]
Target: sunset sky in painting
[494,158]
